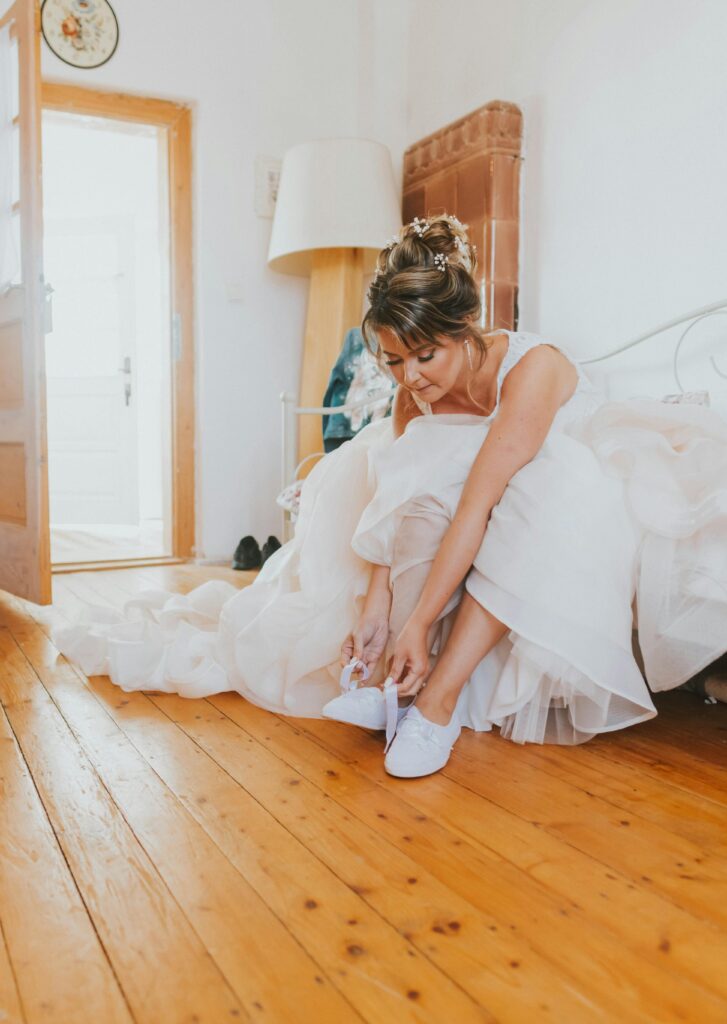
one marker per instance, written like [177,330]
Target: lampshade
[333,193]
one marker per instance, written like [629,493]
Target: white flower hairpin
[420,225]
[466,252]
[441,261]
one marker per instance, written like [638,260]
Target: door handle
[48,308]
[125,368]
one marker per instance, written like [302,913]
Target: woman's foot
[421,746]
[431,705]
[365,706]
[716,688]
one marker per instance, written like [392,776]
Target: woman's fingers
[347,651]
[357,645]
[410,684]
[414,677]
[369,658]
[397,666]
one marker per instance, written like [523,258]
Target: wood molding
[77,99]
[182,290]
[334,306]
[497,127]
[24,532]
[176,118]
[122,563]
[13,494]
[471,168]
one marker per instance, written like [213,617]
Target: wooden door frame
[25,546]
[177,119]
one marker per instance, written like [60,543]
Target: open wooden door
[24,532]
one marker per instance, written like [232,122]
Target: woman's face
[429,370]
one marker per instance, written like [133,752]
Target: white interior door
[91,370]
[24,533]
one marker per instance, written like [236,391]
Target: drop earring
[469,353]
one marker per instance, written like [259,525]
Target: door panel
[91,373]
[24,535]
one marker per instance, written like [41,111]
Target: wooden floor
[165,860]
[105,543]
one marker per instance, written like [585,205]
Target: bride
[492,546]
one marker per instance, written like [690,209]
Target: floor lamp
[337,205]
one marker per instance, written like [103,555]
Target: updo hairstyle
[423,287]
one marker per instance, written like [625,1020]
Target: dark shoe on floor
[270,546]
[247,554]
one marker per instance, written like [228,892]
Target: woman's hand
[410,665]
[367,642]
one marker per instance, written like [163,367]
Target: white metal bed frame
[291,411]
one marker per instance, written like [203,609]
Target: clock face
[83,33]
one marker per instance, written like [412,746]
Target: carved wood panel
[471,168]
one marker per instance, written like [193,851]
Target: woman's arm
[405,409]
[378,596]
[531,395]
[368,640]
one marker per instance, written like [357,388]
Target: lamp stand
[334,307]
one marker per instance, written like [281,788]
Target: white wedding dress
[622,515]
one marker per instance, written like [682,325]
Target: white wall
[625,222]
[625,106]
[260,77]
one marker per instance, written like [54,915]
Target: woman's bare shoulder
[545,362]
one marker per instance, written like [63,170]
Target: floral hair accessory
[441,261]
[420,225]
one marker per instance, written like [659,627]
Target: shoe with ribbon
[421,747]
[367,706]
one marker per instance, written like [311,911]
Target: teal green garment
[337,428]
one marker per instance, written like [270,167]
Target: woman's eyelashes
[422,359]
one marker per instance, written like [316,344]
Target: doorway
[119,362]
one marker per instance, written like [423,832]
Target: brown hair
[423,288]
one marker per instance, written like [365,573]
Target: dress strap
[518,345]
[522,342]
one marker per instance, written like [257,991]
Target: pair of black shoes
[249,554]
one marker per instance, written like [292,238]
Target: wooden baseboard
[121,563]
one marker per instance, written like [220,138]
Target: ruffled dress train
[620,521]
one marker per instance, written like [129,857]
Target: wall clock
[84,33]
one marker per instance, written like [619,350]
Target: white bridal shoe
[421,747]
[367,706]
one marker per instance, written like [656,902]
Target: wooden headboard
[471,168]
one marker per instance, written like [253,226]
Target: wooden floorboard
[36,885]
[656,929]
[222,907]
[206,861]
[9,995]
[521,931]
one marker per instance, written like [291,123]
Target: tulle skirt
[619,522]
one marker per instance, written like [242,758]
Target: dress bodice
[520,342]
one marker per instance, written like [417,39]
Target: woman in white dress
[494,538]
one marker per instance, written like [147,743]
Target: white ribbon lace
[422,732]
[348,683]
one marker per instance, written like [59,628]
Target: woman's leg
[474,634]
[417,541]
